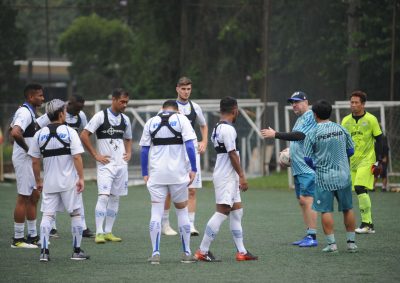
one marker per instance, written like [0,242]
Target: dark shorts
[304,185]
[384,170]
[323,200]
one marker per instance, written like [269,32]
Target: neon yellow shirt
[363,133]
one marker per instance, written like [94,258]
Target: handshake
[376,169]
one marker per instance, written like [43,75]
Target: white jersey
[44,120]
[168,163]
[23,117]
[226,134]
[114,148]
[59,171]
[185,109]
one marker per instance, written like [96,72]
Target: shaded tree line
[145,46]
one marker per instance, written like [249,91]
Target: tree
[101,52]
[12,48]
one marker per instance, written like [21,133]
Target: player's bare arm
[128,149]
[79,169]
[36,173]
[85,138]
[204,139]
[243,185]
[16,133]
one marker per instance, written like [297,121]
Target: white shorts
[158,193]
[58,202]
[227,191]
[24,176]
[112,180]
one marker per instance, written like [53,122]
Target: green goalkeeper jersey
[363,132]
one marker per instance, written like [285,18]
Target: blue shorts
[323,200]
[304,185]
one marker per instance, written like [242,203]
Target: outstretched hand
[268,133]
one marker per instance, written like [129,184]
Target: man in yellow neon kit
[365,131]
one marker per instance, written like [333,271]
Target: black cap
[297,96]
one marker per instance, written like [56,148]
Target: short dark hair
[31,87]
[184,81]
[170,103]
[118,92]
[358,93]
[227,104]
[322,109]
[78,98]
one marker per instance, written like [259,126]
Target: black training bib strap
[77,124]
[65,150]
[220,148]
[192,116]
[177,139]
[32,128]
[107,131]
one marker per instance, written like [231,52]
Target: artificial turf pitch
[271,221]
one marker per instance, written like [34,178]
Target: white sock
[19,230]
[212,230]
[32,231]
[184,228]
[45,227]
[54,221]
[84,227]
[157,209]
[76,230]
[165,217]
[235,223]
[112,211]
[191,218]
[100,212]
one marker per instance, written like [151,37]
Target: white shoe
[351,247]
[365,228]
[330,248]
[193,231]
[167,230]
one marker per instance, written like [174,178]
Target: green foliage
[102,54]
[32,19]
[12,47]
[375,46]
[216,43]
[308,43]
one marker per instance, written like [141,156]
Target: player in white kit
[167,140]
[114,146]
[23,128]
[63,183]
[195,115]
[229,179]
[77,120]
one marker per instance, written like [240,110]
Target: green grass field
[271,221]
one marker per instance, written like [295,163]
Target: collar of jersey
[229,123]
[29,106]
[182,102]
[115,114]
[358,117]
